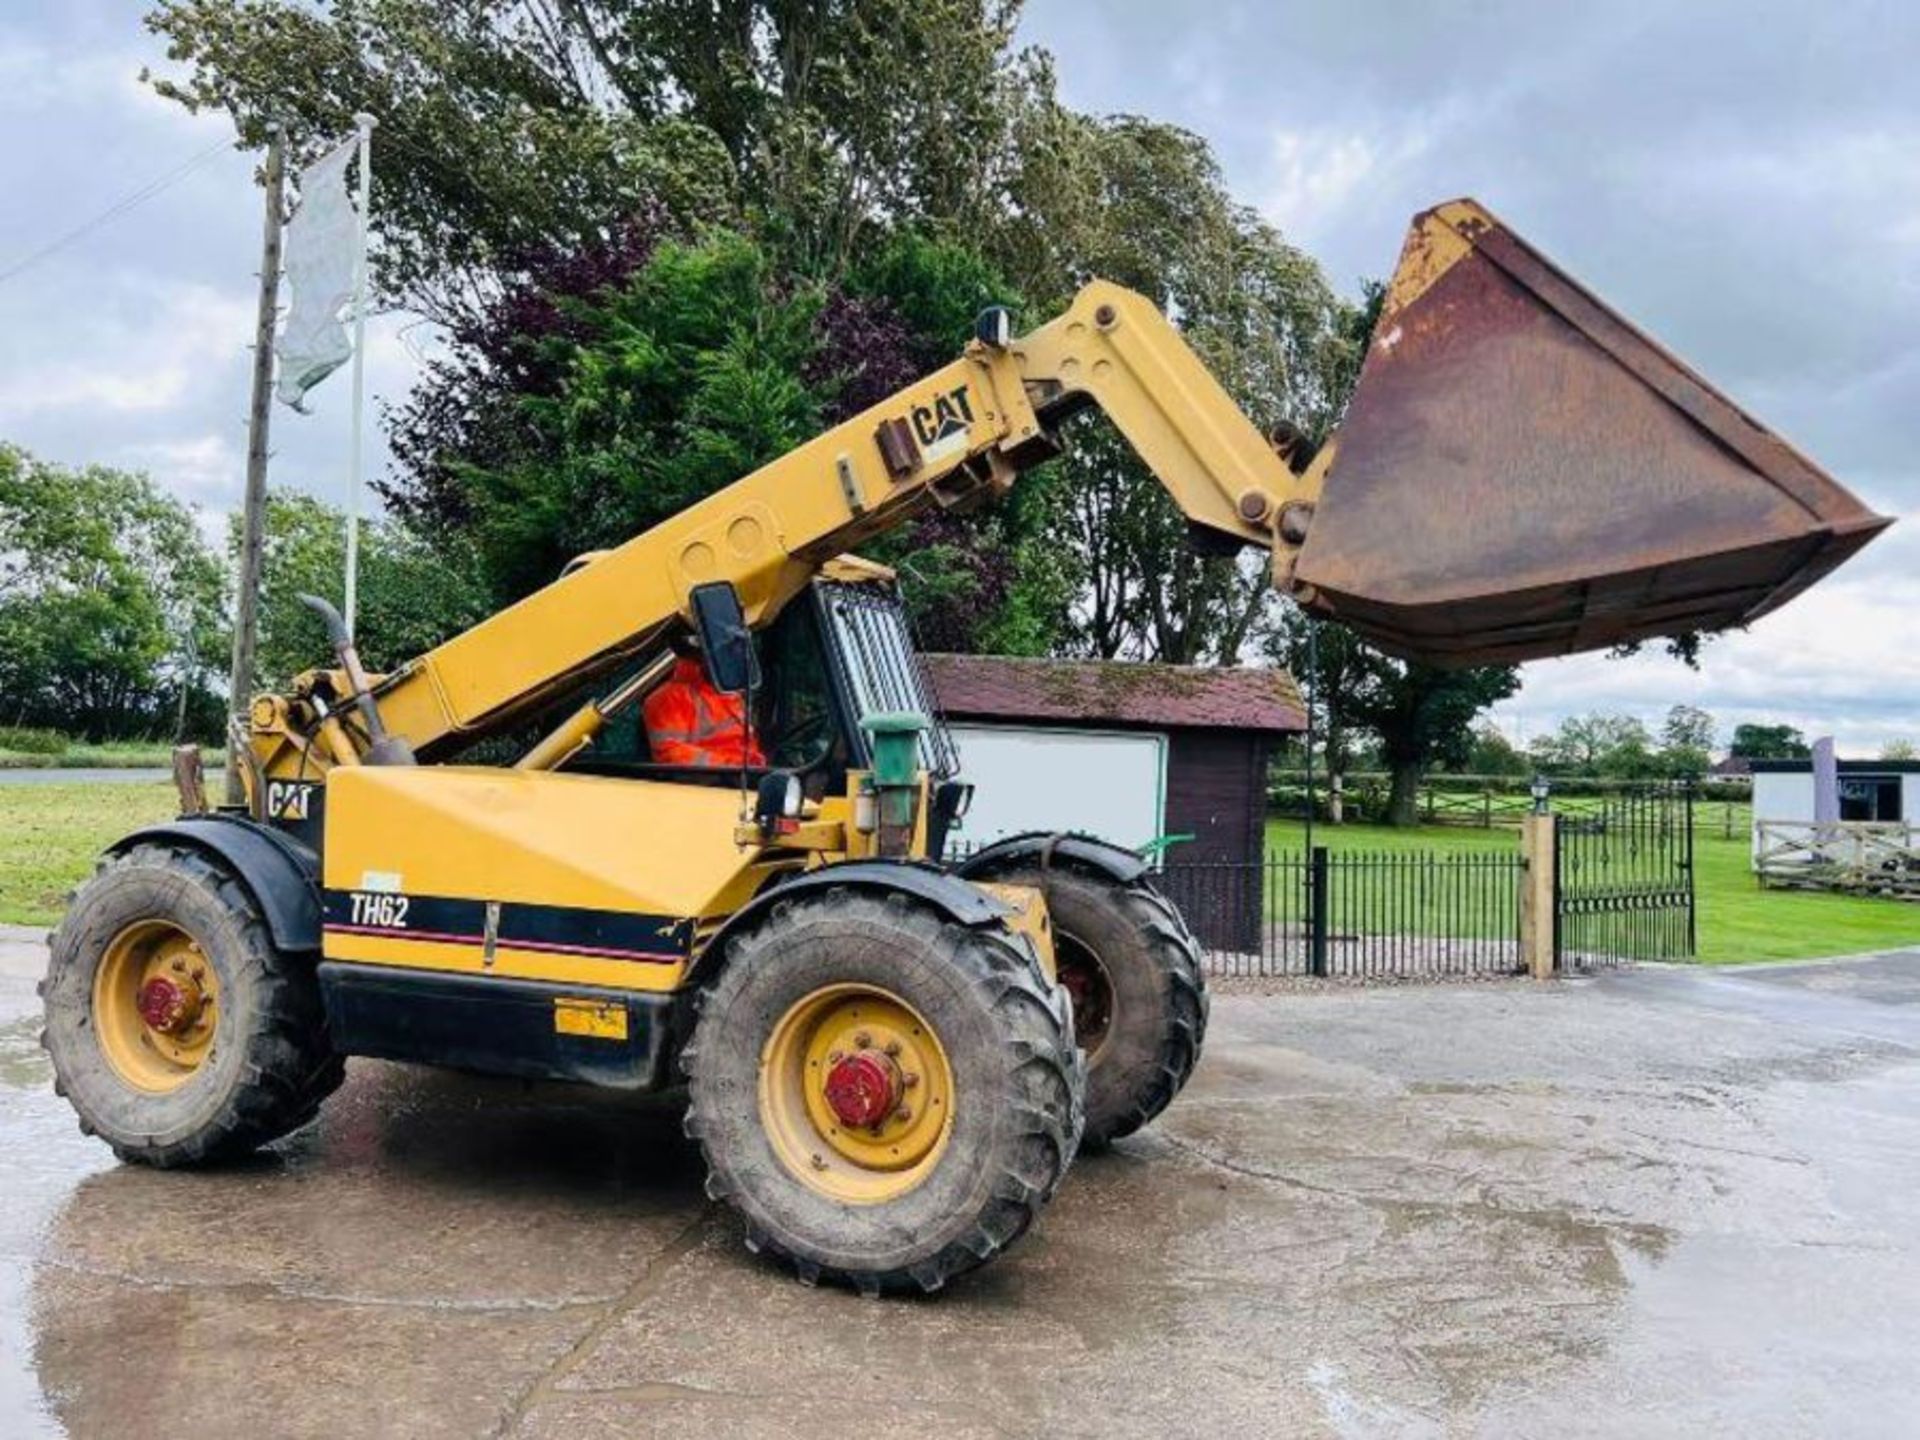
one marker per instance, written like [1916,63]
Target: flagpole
[365,122]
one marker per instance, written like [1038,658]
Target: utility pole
[253,513]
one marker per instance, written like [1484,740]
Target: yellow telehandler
[477,861]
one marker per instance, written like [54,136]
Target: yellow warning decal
[599,1019]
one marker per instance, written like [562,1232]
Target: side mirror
[780,798]
[726,644]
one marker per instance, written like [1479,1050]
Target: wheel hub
[864,1088]
[856,1093]
[170,1003]
[156,1005]
[1086,983]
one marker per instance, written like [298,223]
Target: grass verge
[51,834]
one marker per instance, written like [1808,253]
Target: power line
[114,211]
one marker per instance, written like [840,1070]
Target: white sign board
[1108,783]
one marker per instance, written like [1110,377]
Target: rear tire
[909,1202]
[253,1063]
[1141,994]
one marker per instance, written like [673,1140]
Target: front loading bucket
[1522,473]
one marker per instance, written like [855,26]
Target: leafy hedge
[30,741]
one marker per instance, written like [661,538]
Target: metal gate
[1623,879]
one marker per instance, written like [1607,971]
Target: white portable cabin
[1883,791]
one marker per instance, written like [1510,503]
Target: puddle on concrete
[46,1158]
[23,1064]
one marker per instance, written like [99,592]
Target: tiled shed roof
[999,687]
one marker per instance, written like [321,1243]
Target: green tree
[1493,754]
[1422,716]
[409,597]
[1769,742]
[1345,664]
[623,383]
[684,380]
[109,604]
[1419,715]
[1615,746]
[903,153]
[507,131]
[1687,738]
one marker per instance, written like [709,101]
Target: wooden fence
[1857,856]
[1484,809]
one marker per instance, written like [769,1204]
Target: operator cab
[840,653]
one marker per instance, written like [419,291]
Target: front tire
[177,1031]
[885,1096]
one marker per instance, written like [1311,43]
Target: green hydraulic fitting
[896,746]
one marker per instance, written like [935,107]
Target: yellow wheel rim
[156,1006]
[856,1095]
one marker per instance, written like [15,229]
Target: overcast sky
[1743,179]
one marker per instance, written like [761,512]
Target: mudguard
[1118,864]
[280,872]
[959,901]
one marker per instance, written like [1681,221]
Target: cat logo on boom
[941,428]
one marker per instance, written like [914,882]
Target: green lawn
[51,834]
[1737,920]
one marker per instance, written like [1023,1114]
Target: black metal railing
[1353,913]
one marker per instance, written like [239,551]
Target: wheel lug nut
[903,1113]
[909,1080]
[893,1049]
[862,1040]
[834,1057]
[819,1161]
[179,967]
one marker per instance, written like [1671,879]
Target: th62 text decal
[389,912]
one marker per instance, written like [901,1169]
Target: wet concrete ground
[1655,1203]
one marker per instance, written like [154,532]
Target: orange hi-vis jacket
[691,723]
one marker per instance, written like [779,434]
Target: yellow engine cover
[530,875]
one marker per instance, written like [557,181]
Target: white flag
[322,238]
